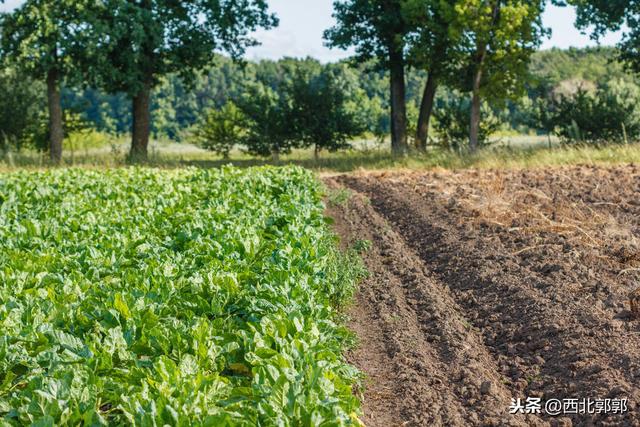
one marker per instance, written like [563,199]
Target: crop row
[187,297]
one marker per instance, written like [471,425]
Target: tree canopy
[496,41]
[326,101]
[139,42]
[431,46]
[44,39]
[612,15]
[377,30]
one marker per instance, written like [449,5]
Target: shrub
[608,114]
[452,122]
[220,129]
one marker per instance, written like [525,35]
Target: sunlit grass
[503,155]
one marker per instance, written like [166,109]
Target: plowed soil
[491,285]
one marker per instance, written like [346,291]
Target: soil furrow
[539,338]
[425,364]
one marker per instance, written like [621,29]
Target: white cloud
[302,24]
[281,43]
[9,5]
[561,20]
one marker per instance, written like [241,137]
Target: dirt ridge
[431,357]
[490,321]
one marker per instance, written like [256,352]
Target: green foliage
[292,104]
[610,114]
[594,64]
[21,104]
[339,197]
[227,82]
[268,129]
[44,36]
[185,297]
[221,129]
[45,39]
[143,41]
[377,30]
[452,122]
[373,28]
[600,16]
[73,124]
[326,106]
[496,39]
[86,139]
[431,44]
[362,246]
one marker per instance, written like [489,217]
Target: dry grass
[514,156]
[493,197]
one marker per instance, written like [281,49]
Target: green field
[182,297]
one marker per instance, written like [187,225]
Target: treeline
[121,46]
[207,112]
[425,72]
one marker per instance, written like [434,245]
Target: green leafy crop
[186,297]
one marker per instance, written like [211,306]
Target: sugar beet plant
[171,298]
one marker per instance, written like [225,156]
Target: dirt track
[492,285]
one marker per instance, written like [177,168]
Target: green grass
[521,152]
[171,297]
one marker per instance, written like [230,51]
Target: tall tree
[497,38]
[41,38]
[377,29]
[432,48]
[141,41]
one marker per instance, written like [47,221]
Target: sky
[302,23]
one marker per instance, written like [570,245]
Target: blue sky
[302,23]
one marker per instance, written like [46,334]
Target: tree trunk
[141,125]
[426,108]
[275,155]
[316,153]
[474,129]
[56,131]
[476,102]
[399,145]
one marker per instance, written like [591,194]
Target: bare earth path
[488,286]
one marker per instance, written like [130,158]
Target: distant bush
[608,114]
[452,122]
[220,129]
[325,105]
[79,133]
[21,104]
[311,105]
[88,139]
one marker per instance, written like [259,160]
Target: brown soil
[492,285]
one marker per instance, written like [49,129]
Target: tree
[608,113]
[269,130]
[452,122]
[325,107]
[21,104]
[221,129]
[141,41]
[497,39]
[377,30]
[431,47]
[42,38]
[612,15]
